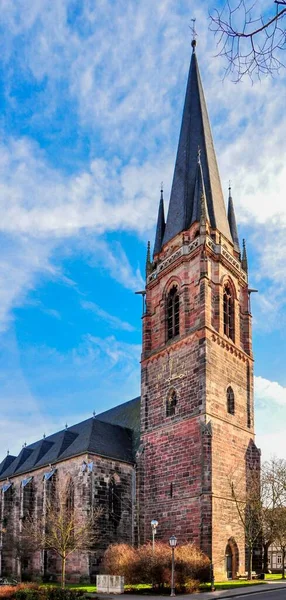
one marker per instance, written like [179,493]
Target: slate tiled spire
[199,194]
[232,221]
[195,132]
[160,225]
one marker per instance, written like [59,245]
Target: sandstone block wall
[98,482]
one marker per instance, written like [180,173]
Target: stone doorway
[231,559]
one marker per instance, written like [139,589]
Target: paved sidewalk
[243,591]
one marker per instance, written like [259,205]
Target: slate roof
[195,133]
[114,433]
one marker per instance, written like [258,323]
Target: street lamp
[154,525]
[173,544]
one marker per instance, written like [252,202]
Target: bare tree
[280,534]
[261,507]
[273,496]
[250,42]
[249,510]
[61,529]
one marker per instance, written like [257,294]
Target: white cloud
[123,69]
[270,402]
[22,262]
[269,392]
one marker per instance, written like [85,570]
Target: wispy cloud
[114,260]
[126,98]
[96,374]
[113,321]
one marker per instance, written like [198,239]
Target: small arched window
[171,404]
[230,401]
[228,312]
[173,313]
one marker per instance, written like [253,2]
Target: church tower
[197,427]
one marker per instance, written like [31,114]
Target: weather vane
[194,33]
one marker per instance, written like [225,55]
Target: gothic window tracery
[114,500]
[27,495]
[70,498]
[228,312]
[171,404]
[173,313]
[230,401]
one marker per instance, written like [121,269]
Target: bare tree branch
[251,43]
[62,528]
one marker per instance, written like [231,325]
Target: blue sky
[91,95]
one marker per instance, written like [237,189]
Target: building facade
[197,423]
[275,559]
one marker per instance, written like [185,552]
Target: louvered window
[228,313]
[173,313]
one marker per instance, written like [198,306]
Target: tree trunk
[63,575]
[283,561]
[265,557]
[250,555]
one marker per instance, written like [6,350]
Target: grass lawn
[73,586]
[228,585]
[144,588]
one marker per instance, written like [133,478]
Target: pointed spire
[160,224]
[200,209]
[232,221]
[244,262]
[148,260]
[195,131]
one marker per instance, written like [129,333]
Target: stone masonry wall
[187,459]
[97,482]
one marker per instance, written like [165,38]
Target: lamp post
[154,525]
[173,544]
[212,578]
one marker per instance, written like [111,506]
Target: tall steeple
[195,132]
[160,229]
[232,221]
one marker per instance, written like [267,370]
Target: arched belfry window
[230,401]
[228,312]
[173,313]
[171,403]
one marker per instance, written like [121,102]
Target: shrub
[121,559]
[141,565]
[23,591]
[32,591]
[28,594]
[6,591]
[56,593]
[191,563]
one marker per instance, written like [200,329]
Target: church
[168,455]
